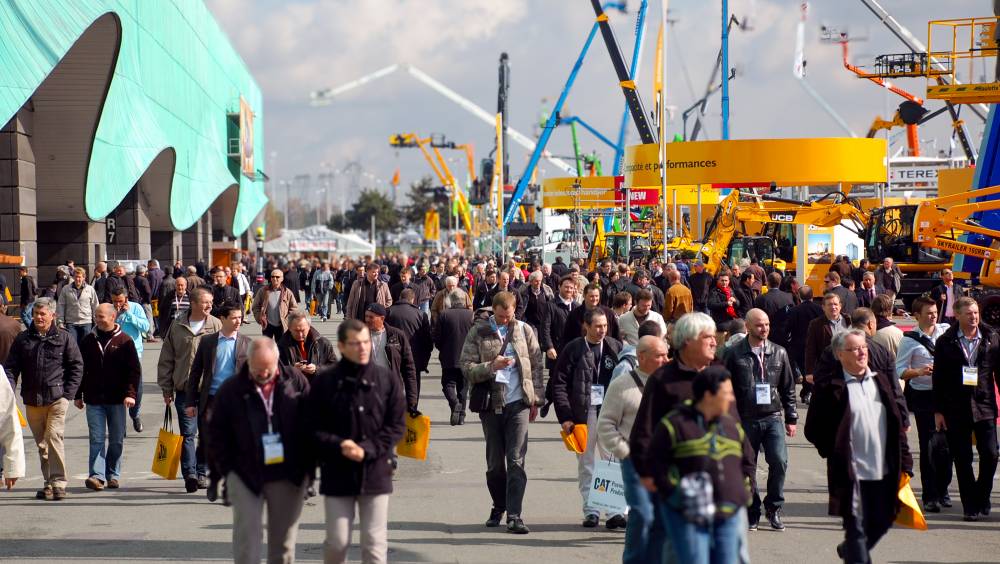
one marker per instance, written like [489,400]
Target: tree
[422,198]
[337,222]
[372,203]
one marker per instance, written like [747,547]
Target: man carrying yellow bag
[417,437]
[167,454]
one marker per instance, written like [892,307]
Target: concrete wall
[18,233]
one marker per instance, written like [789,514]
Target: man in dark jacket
[576,389]
[557,311]
[641,282]
[764,386]
[453,324]
[700,282]
[356,416]
[777,304]
[848,299]
[49,362]
[963,381]
[946,293]
[405,316]
[425,289]
[111,376]
[573,328]
[29,289]
[405,283]
[258,439]
[219,357]
[855,423]
[532,301]
[303,347]
[797,327]
[391,350]
[222,294]
[819,335]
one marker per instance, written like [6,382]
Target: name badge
[274,451]
[970,375]
[503,376]
[763,394]
[596,395]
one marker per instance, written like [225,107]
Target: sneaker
[774,518]
[591,521]
[94,483]
[456,414]
[191,484]
[202,482]
[137,424]
[113,484]
[946,501]
[516,526]
[753,526]
[58,494]
[44,493]
[616,522]
[970,517]
[932,507]
[495,516]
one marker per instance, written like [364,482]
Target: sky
[293,47]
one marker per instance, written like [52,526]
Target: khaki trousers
[284,507]
[48,424]
[373,511]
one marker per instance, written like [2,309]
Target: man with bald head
[111,379]
[643,534]
[764,386]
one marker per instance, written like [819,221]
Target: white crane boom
[799,70]
[324,97]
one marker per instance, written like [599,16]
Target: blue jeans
[189,428]
[768,434]
[106,428]
[644,533]
[323,307]
[426,308]
[718,543]
[79,330]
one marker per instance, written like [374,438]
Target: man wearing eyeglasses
[856,424]
[271,306]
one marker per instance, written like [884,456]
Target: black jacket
[797,329]
[222,295]
[449,333]
[532,309]
[50,364]
[880,359]
[554,324]
[239,420]
[777,305]
[940,295]
[718,306]
[414,324]
[364,404]
[570,384]
[484,295]
[848,300]
[951,398]
[746,297]
[744,366]
[110,373]
[319,350]
[199,383]
[143,288]
[864,297]
[828,428]
[701,283]
[400,357]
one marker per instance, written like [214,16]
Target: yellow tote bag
[20,417]
[417,437]
[167,455]
[910,515]
[312,307]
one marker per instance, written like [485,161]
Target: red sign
[637,198]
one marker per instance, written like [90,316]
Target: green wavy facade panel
[176,78]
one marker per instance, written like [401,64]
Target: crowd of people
[683,377]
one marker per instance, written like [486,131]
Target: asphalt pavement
[435,515]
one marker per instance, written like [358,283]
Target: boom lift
[441,169]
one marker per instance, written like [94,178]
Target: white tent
[318,239]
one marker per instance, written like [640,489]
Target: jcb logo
[783,217]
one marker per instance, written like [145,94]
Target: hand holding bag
[167,454]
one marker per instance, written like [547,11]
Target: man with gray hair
[438,305]
[856,425]
[453,324]
[49,363]
[532,301]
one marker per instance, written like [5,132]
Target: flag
[395,178]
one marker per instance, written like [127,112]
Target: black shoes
[774,518]
[457,411]
[516,526]
[616,522]
[932,507]
[496,515]
[137,424]
[806,398]
[191,484]
[946,501]
[44,493]
[591,521]
[970,517]
[753,524]
[202,482]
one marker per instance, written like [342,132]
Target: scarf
[730,311]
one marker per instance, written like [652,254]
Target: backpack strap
[637,380]
[922,339]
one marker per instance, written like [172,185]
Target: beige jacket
[285,305]
[614,424]
[482,346]
[177,355]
